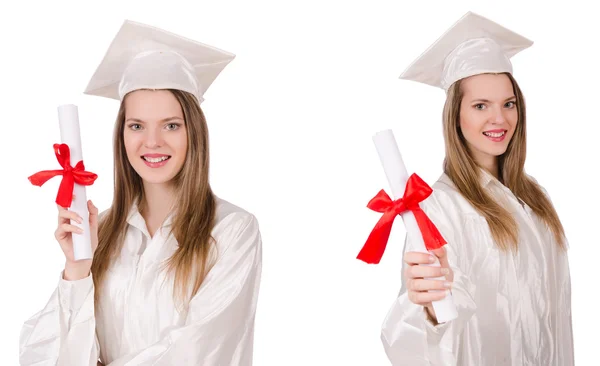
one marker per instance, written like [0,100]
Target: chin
[493,149]
[493,152]
[155,178]
[156,181]
[498,152]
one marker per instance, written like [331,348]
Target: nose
[498,116]
[153,139]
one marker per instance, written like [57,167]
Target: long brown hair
[194,211]
[464,172]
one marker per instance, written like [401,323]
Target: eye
[135,127]
[173,126]
[479,106]
[510,104]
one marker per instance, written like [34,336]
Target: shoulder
[226,211]
[540,186]
[234,225]
[447,199]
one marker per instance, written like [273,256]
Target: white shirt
[512,309]
[138,322]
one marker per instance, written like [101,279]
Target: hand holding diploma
[425,283]
[76,269]
[71,194]
[408,192]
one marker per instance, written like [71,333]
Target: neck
[490,164]
[493,169]
[158,201]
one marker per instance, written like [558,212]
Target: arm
[408,334]
[64,332]
[220,324]
[564,340]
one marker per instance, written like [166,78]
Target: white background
[291,120]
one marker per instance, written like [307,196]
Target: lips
[155,158]
[495,133]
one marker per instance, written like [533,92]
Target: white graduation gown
[138,323]
[512,310]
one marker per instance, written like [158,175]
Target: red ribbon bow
[71,175]
[416,191]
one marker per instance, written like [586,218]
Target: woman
[505,262]
[175,274]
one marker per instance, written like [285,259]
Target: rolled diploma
[397,176]
[68,119]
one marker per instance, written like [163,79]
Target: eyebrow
[169,119]
[488,101]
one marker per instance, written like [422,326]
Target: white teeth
[155,160]
[495,134]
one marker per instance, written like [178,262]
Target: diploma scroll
[397,177]
[68,119]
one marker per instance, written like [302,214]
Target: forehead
[149,105]
[487,86]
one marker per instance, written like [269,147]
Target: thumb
[93,210]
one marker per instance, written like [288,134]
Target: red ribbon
[71,175]
[416,191]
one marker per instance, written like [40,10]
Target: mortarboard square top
[145,57]
[473,45]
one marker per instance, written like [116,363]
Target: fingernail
[447,285]
[445,271]
[431,259]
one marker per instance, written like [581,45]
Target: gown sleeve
[565,335]
[219,326]
[408,337]
[565,352]
[64,331]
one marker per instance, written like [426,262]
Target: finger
[418,258]
[62,219]
[442,256]
[67,215]
[427,285]
[65,229]
[70,215]
[68,228]
[418,271]
[424,298]
[60,209]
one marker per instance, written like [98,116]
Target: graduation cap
[473,45]
[145,57]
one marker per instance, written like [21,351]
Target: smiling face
[488,116]
[155,135]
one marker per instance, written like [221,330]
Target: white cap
[144,57]
[473,45]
